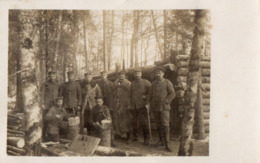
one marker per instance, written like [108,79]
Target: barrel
[105,133]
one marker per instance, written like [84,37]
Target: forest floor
[200,148]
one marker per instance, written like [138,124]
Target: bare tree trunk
[85,42]
[104,40]
[111,41]
[46,42]
[32,111]
[75,66]
[134,41]
[165,33]
[132,44]
[55,59]
[199,112]
[156,33]
[123,39]
[192,84]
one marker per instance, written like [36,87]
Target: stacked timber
[15,135]
[182,62]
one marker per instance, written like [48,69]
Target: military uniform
[72,97]
[49,92]
[54,123]
[139,91]
[106,87]
[89,92]
[121,115]
[160,96]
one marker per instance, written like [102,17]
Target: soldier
[71,93]
[90,89]
[49,92]
[160,96]
[139,91]
[106,87]
[101,112]
[54,118]
[121,113]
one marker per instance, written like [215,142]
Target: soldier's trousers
[140,118]
[162,120]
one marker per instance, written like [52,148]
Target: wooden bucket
[105,133]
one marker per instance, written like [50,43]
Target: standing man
[160,96]
[90,90]
[139,91]
[121,114]
[71,93]
[106,87]
[49,93]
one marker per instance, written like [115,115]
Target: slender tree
[192,84]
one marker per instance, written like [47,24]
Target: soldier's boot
[128,138]
[167,139]
[160,132]
[135,135]
[147,139]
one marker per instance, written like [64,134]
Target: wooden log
[180,93]
[14,124]
[206,101]
[15,149]
[206,95]
[205,65]
[182,79]
[16,141]
[205,72]
[15,116]
[206,122]
[14,121]
[187,57]
[206,86]
[206,129]
[65,141]
[182,64]
[181,101]
[48,151]
[206,115]
[13,153]
[205,79]
[15,132]
[182,85]
[108,151]
[182,72]
[12,127]
[206,108]
[15,135]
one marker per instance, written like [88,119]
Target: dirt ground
[200,148]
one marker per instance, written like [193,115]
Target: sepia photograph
[108,82]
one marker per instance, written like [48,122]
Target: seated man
[54,118]
[99,113]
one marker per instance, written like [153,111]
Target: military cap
[88,74]
[59,98]
[160,68]
[99,97]
[103,72]
[51,72]
[138,69]
[70,72]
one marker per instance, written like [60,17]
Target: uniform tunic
[106,87]
[53,123]
[121,115]
[71,93]
[160,96]
[49,92]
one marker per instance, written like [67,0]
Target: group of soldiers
[127,104]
